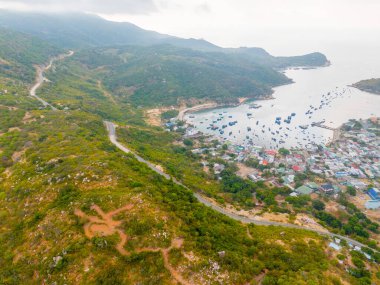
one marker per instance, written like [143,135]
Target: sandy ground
[195,108]
[105,225]
[16,156]
[153,116]
[242,100]
[160,168]
[14,129]
[4,62]
[244,170]
[10,108]
[301,219]
[28,118]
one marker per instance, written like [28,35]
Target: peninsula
[369,85]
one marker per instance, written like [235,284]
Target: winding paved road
[40,78]
[111,127]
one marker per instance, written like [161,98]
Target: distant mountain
[77,30]
[369,85]
[261,56]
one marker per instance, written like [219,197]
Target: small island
[369,85]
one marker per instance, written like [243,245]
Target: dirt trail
[249,234]
[106,93]
[176,243]
[106,226]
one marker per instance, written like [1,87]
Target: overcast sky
[293,25]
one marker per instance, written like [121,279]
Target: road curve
[111,127]
[40,78]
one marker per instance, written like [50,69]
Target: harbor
[280,123]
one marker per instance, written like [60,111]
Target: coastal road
[40,78]
[111,127]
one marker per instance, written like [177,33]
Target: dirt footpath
[105,225]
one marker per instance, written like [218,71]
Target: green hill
[166,75]
[369,85]
[20,52]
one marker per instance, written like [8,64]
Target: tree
[318,205]
[351,190]
[284,151]
[188,142]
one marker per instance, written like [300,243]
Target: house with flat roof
[304,190]
[312,185]
[372,204]
[374,193]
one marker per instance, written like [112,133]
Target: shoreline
[215,105]
[364,89]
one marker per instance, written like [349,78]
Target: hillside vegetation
[19,53]
[166,75]
[76,210]
[369,85]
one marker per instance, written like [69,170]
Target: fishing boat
[254,106]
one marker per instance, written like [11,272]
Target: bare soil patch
[16,156]
[243,170]
[153,116]
[14,129]
[28,118]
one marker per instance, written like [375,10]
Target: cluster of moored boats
[278,133]
[287,120]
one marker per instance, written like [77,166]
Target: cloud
[131,7]
[203,8]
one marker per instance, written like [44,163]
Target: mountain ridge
[79,30]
